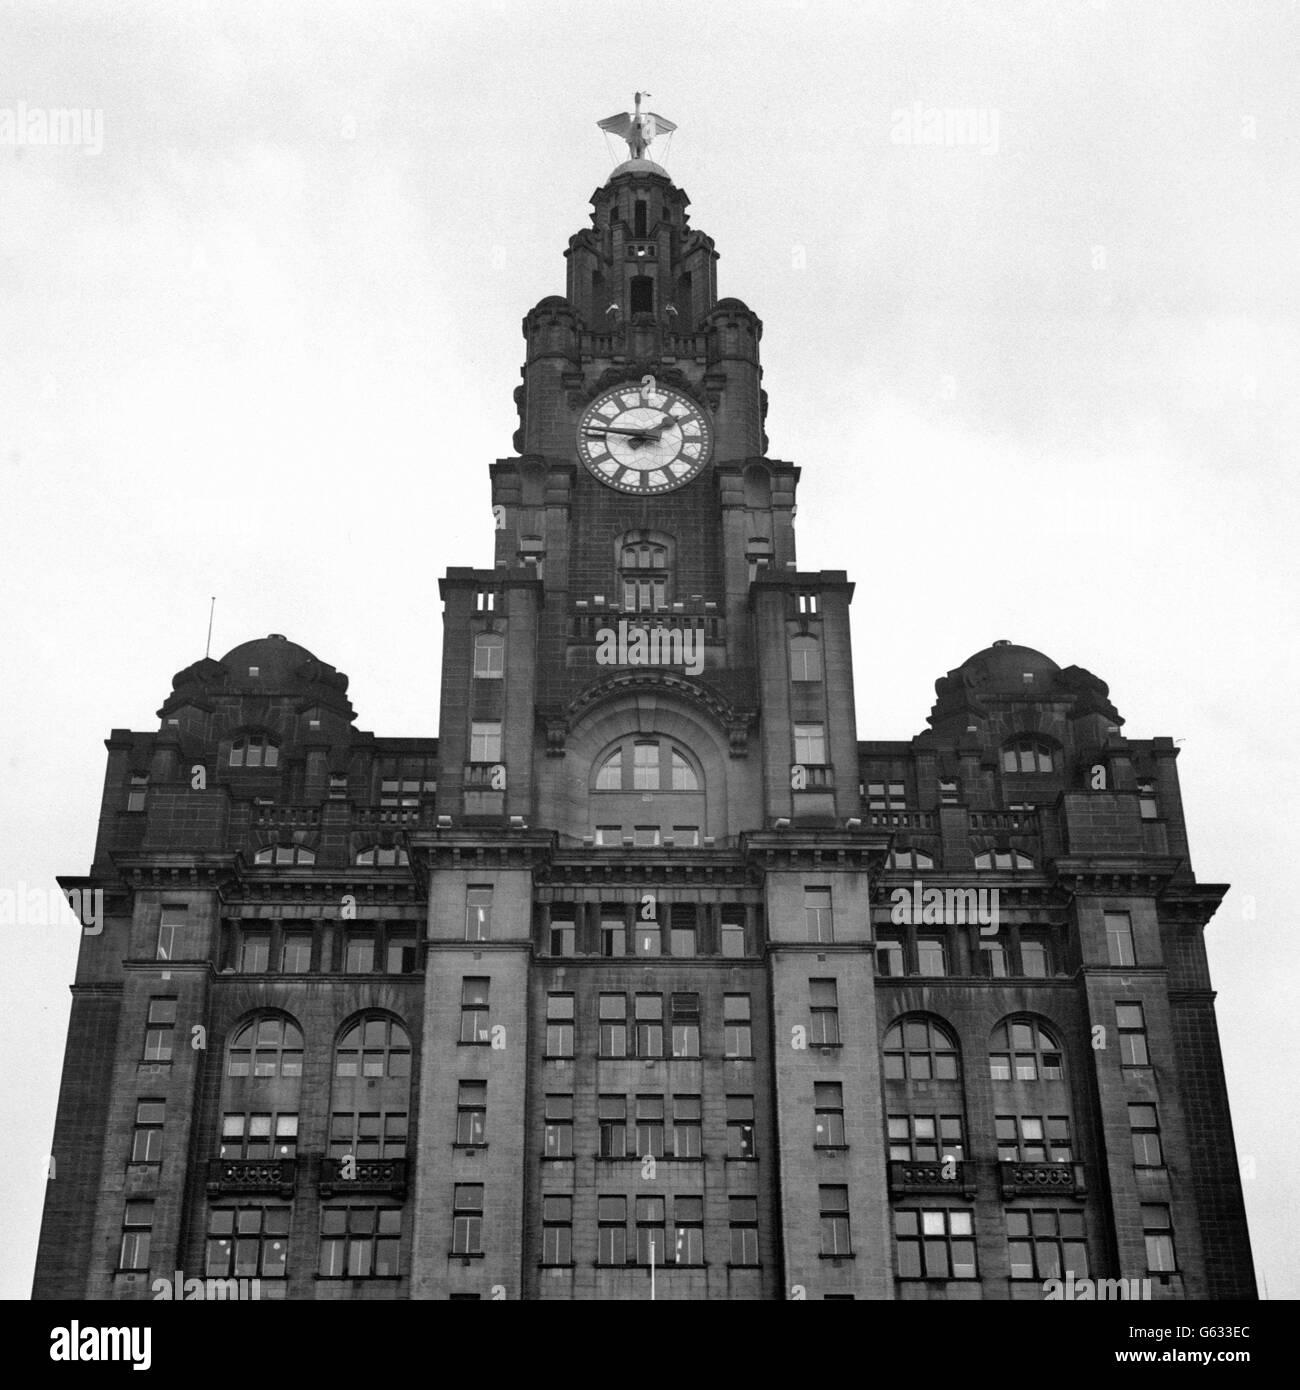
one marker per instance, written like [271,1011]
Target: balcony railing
[231,1176]
[817,777]
[382,1175]
[1030,1179]
[906,1177]
[900,820]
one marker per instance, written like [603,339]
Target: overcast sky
[262,342]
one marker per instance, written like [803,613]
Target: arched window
[382,857]
[920,1049]
[1022,1049]
[489,656]
[374,1046]
[805,659]
[910,859]
[647,765]
[1027,755]
[1004,860]
[266,1047]
[254,750]
[285,854]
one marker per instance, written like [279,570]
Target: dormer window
[281,855]
[255,750]
[1027,755]
[382,857]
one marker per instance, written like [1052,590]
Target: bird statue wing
[620,125]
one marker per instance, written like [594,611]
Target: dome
[731,305]
[269,665]
[553,301]
[1005,668]
[639,166]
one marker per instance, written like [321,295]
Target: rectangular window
[935,1244]
[650,1126]
[295,953]
[810,744]
[688,1230]
[485,741]
[1035,960]
[171,931]
[889,959]
[613,1025]
[611,1114]
[828,1115]
[824,1030]
[137,1231]
[559,1127]
[743,1213]
[401,953]
[159,1030]
[609,835]
[1119,938]
[613,936]
[146,1142]
[925,1138]
[733,937]
[478,912]
[737,1032]
[687,1114]
[474,1026]
[817,914]
[471,1114]
[1145,1127]
[1131,1025]
[563,938]
[645,767]
[886,796]
[1033,1139]
[1158,1232]
[686,1025]
[993,957]
[683,940]
[611,1230]
[467,1219]
[360,1242]
[931,957]
[259,1135]
[1147,807]
[359,954]
[557,1230]
[135,796]
[649,1025]
[834,1204]
[647,939]
[740,1127]
[645,836]
[559,1025]
[686,836]
[368,1135]
[949,794]
[1044,1244]
[248,1242]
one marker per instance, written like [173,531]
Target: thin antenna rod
[207,651]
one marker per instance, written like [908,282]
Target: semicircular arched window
[374,1046]
[920,1049]
[647,765]
[382,857]
[1028,755]
[1022,1049]
[285,854]
[266,1047]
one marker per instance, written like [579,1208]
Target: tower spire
[637,127]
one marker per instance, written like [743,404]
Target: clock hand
[614,429]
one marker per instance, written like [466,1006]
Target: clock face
[644,438]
